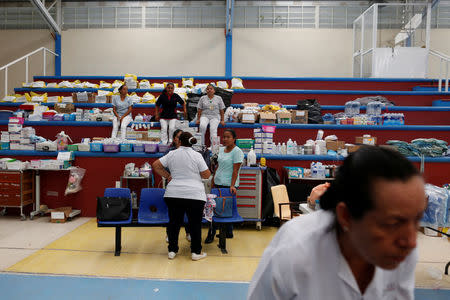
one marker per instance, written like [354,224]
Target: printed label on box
[58,215]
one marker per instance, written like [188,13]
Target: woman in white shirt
[360,245]
[185,192]
[122,106]
[210,110]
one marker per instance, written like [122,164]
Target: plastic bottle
[251,158]
[262,162]
[295,148]
[313,170]
[278,149]
[355,107]
[348,108]
[290,147]
[283,149]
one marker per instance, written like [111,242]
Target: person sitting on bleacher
[185,192]
[210,110]
[122,106]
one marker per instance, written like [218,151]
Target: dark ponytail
[187,140]
[354,180]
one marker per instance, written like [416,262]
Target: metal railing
[444,59]
[26,58]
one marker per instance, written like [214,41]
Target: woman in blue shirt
[227,174]
[122,106]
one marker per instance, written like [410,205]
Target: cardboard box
[360,140]
[283,117]
[248,104]
[64,108]
[299,117]
[60,215]
[335,145]
[267,117]
[352,148]
[248,118]
[81,98]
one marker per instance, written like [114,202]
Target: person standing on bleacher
[185,193]
[167,102]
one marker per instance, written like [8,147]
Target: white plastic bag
[236,83]
[187,82]
[38,84]
[65,84]
[144,84]
[75,177]
[222,84]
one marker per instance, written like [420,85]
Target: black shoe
[227,235]
[209,239]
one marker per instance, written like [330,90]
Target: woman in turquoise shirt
[227,175]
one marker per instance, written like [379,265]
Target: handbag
[224,206]
[113,209]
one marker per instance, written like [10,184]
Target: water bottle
[283,149]
[356,107]
[295,148]
[348,108]
[251,158]
[313,170]
[289,147]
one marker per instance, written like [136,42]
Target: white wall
[165,52]
[144,52]
[440,41]
[17,43]
[292,52]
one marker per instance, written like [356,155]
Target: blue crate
[69,117]
[96,147]
[5,146]
[126,147]
[6,114]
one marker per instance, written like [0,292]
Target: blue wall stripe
[249,91]
[157,155]
[342,79]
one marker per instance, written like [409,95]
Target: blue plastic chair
[152,208]
[122,193]
[235,218]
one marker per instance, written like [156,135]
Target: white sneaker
[167,239]
[198,256]
[172,255]
[188,237]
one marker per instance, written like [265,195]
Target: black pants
[194,211]
[229,227]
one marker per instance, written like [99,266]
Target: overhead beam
[46,15]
